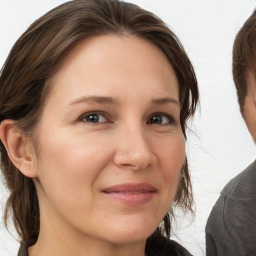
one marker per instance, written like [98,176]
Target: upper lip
[131,187]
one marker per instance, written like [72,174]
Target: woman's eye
[94,118]
[161,119]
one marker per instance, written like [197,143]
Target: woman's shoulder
[178,249]
[167,247]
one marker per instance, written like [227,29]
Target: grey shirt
[231,226]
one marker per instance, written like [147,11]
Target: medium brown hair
[35,58]
[244,57]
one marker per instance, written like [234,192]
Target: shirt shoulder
[239,189]
[242,186]
[179,249]
[167,247]
[231,224]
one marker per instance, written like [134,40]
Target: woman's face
[110,142]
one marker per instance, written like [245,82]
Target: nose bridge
[136,138]
[135,148]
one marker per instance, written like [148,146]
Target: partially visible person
[231,226]
[94,102]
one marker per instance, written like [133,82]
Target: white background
[220,146]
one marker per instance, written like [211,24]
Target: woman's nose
[134,150]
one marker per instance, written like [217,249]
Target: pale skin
[250,104]
[110,120]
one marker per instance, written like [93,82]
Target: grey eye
[160,119]
[94,118]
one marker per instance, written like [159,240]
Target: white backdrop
[220,146]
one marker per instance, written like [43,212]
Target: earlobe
[18,147]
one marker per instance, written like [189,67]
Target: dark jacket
[168,248]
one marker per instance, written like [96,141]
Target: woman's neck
[60,240]
[87,248]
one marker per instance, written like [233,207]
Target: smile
[131,194]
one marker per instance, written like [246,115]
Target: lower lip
[132,199]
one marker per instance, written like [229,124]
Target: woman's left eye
[94,118]
[160,119]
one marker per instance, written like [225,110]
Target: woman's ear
[19,148]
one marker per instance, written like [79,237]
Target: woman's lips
[131,193]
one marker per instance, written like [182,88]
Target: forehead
[116,61]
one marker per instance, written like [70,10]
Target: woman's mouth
[133,194]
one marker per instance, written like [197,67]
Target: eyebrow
[95,99]
[161,101]
[110,100]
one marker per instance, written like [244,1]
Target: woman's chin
[130,234]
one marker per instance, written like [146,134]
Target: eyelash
[170,118]
[93,113]
[100,113]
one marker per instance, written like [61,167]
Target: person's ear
[18,147]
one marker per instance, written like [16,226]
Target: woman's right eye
[94,118]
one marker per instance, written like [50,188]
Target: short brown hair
[35,58]
[244,57]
